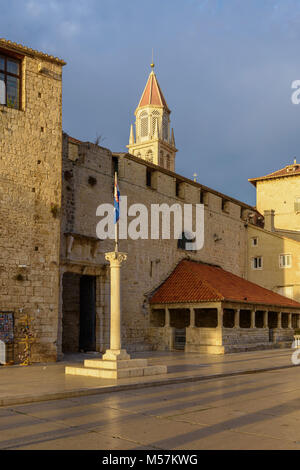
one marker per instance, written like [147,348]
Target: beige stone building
[280,192]
[274,253]
[53,265]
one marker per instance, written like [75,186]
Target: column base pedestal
[116,355]
[116,364]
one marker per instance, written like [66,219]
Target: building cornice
[20,49]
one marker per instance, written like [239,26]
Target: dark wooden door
[87,333]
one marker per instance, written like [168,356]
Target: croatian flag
[116,200]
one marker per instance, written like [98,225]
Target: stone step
[113,365]
[118,373]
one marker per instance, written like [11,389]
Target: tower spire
[153,140]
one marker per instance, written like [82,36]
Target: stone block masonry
[149,261]
[30,188]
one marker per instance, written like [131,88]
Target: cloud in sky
[225,67]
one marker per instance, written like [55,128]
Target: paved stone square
[47,381]
[255,411]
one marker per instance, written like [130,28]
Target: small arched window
[161,159]
[168,162]
[186,237]
[165,127]
[154,121]
[144,124]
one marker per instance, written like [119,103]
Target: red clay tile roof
[193,282]
[289,170]
[152,94]
[74,141]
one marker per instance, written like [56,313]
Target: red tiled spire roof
[193,282]
[289,170]
[152,94]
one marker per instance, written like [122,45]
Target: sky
[225,68]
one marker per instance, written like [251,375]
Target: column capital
[115,258]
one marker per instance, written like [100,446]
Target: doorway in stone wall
[179,320]
[79,313]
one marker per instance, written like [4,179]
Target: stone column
[115,352]
[289,320]
[279,320]
[237,318]
[252,319]
[170,331]
[220,317]
[265,319]
[192,317]
[167,317]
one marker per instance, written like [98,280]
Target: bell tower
[153,140]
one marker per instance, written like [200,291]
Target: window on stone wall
[10,81]
[254,241]
[168,162]
[228,318]
[284,320]
[206,317]
[295,317]
[245,318]
[186,237]
[179,317]
[259,319]
[285,261]
[161,159]
[150,178]
[257,262]
[272,319]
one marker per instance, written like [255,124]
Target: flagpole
[116,238]
[116,224]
